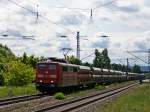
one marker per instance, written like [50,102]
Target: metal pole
[91,17]
[127,65]
[149,60]
[78,45]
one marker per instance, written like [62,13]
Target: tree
[19,74]
[117,67]
[136,69]
[3,69]
[2,79]
[106,59]
[73,60]
[97,62]
[32,60]
[6,54]
[101,60]
[24,58]
[120,67]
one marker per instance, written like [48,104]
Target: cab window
[65,68]
[70,69]
[75,69]
[52,67]
[42,66]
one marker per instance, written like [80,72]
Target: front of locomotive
[47,74]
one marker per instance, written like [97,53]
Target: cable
[82,9]
[108,3]
[17,13]
[60,7]
[21,6]
[34,12]
[136,57]
[88,56]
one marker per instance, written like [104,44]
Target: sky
[125,22]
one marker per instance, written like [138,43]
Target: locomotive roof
[111,70]
[97,69]
[72,65]
[132,73]
[64,64]
[118,71]
[105,70]
[85,67]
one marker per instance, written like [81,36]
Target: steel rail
[19,99]
[76,103]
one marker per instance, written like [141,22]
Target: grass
[59,96]
[137,100]
[99,87]
[8,91]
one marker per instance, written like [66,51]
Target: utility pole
[37,13]
[78,37]
[127,65]
[91,16]
[149,60]
[78,45]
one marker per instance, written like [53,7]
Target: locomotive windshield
[52,67]
[42,66]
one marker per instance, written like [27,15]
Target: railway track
[19,99]
[81,102]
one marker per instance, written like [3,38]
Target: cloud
[72,19]
[147,3]
[14,33]
[140,45]
[118,45]
[45,44]
[129,9]
[101,43]
[122,6]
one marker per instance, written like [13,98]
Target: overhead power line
[91,10]
[82,9]
[105,4]
[137,57]
[73,8]
[88,55]
[39,15]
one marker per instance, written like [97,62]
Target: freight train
[55,75]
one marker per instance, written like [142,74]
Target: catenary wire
[34,12]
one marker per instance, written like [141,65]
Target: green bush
[2,80]
[59,96]
[19,74]
[99,87]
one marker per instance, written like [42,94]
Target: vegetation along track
[78,103]
[19,99]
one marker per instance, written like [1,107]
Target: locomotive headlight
[41,81]
[52,81]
